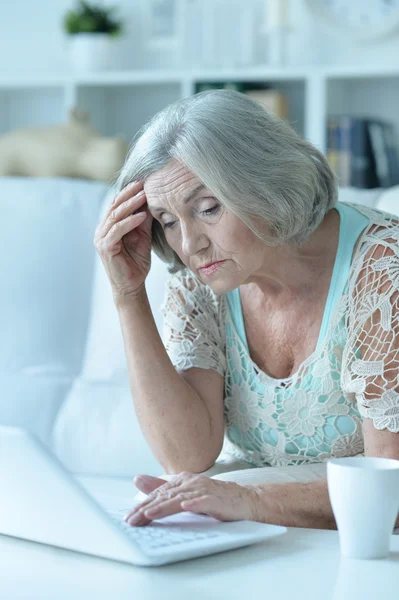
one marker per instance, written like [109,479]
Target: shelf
[360,72]
[148,77]
[41,107]
[120,102]
[122,110]
[178,76]
[111,78]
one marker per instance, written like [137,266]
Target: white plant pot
[90,51]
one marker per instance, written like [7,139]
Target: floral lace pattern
[317,412]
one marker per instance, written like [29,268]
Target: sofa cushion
[33,401]
[47,233]
[48,228]
[97,432]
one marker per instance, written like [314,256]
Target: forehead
[173,182]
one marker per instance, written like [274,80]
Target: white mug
[364,495]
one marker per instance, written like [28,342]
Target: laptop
[42,502]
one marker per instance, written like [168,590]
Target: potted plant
[91,29]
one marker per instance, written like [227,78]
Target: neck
[289,272]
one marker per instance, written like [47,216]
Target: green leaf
[90,18]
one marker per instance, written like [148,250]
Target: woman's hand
[223,500]
[123,241]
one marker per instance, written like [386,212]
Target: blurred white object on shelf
[277,28]
[164,24]
[203,33]
[90,52]
[193,32]
[228,30]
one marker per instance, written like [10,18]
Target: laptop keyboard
[152,537]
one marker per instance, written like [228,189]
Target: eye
[211,211]
[205,213]
[168,225]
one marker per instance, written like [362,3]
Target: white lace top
[316,413]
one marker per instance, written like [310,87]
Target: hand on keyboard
[223,500]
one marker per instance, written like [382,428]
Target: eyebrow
[187,199]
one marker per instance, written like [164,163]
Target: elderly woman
[281,310]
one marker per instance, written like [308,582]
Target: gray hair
[254,163]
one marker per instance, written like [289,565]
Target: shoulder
[191,293]
[374,278]
[381,227]
[378,247]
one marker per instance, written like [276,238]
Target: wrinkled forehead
[171,185]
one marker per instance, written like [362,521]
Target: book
[344,152]
[363,163]
[379,147]
[362,152]
[218,85]
[272,100]
[392,149]
[333,144]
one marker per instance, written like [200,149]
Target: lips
[211,264]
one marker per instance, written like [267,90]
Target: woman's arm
[181,418]
[296,505]
[288,504]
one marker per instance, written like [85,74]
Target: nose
[193,240]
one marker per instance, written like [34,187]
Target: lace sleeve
[371,357]
[193,331]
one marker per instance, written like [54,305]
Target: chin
[220,285]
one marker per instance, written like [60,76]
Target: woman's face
[201,230]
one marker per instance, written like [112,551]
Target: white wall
[31,38]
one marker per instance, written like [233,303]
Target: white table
[302,564]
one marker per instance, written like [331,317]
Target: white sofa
[63,370]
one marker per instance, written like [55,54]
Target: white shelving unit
[121,102]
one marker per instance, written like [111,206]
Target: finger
[139,520]
[165,492]
[129,190]
[162,508]
[144,503]
[147,483]
[151,498]
[120,229]
[147,225]
[129,206]
[169,502]
[137,516]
